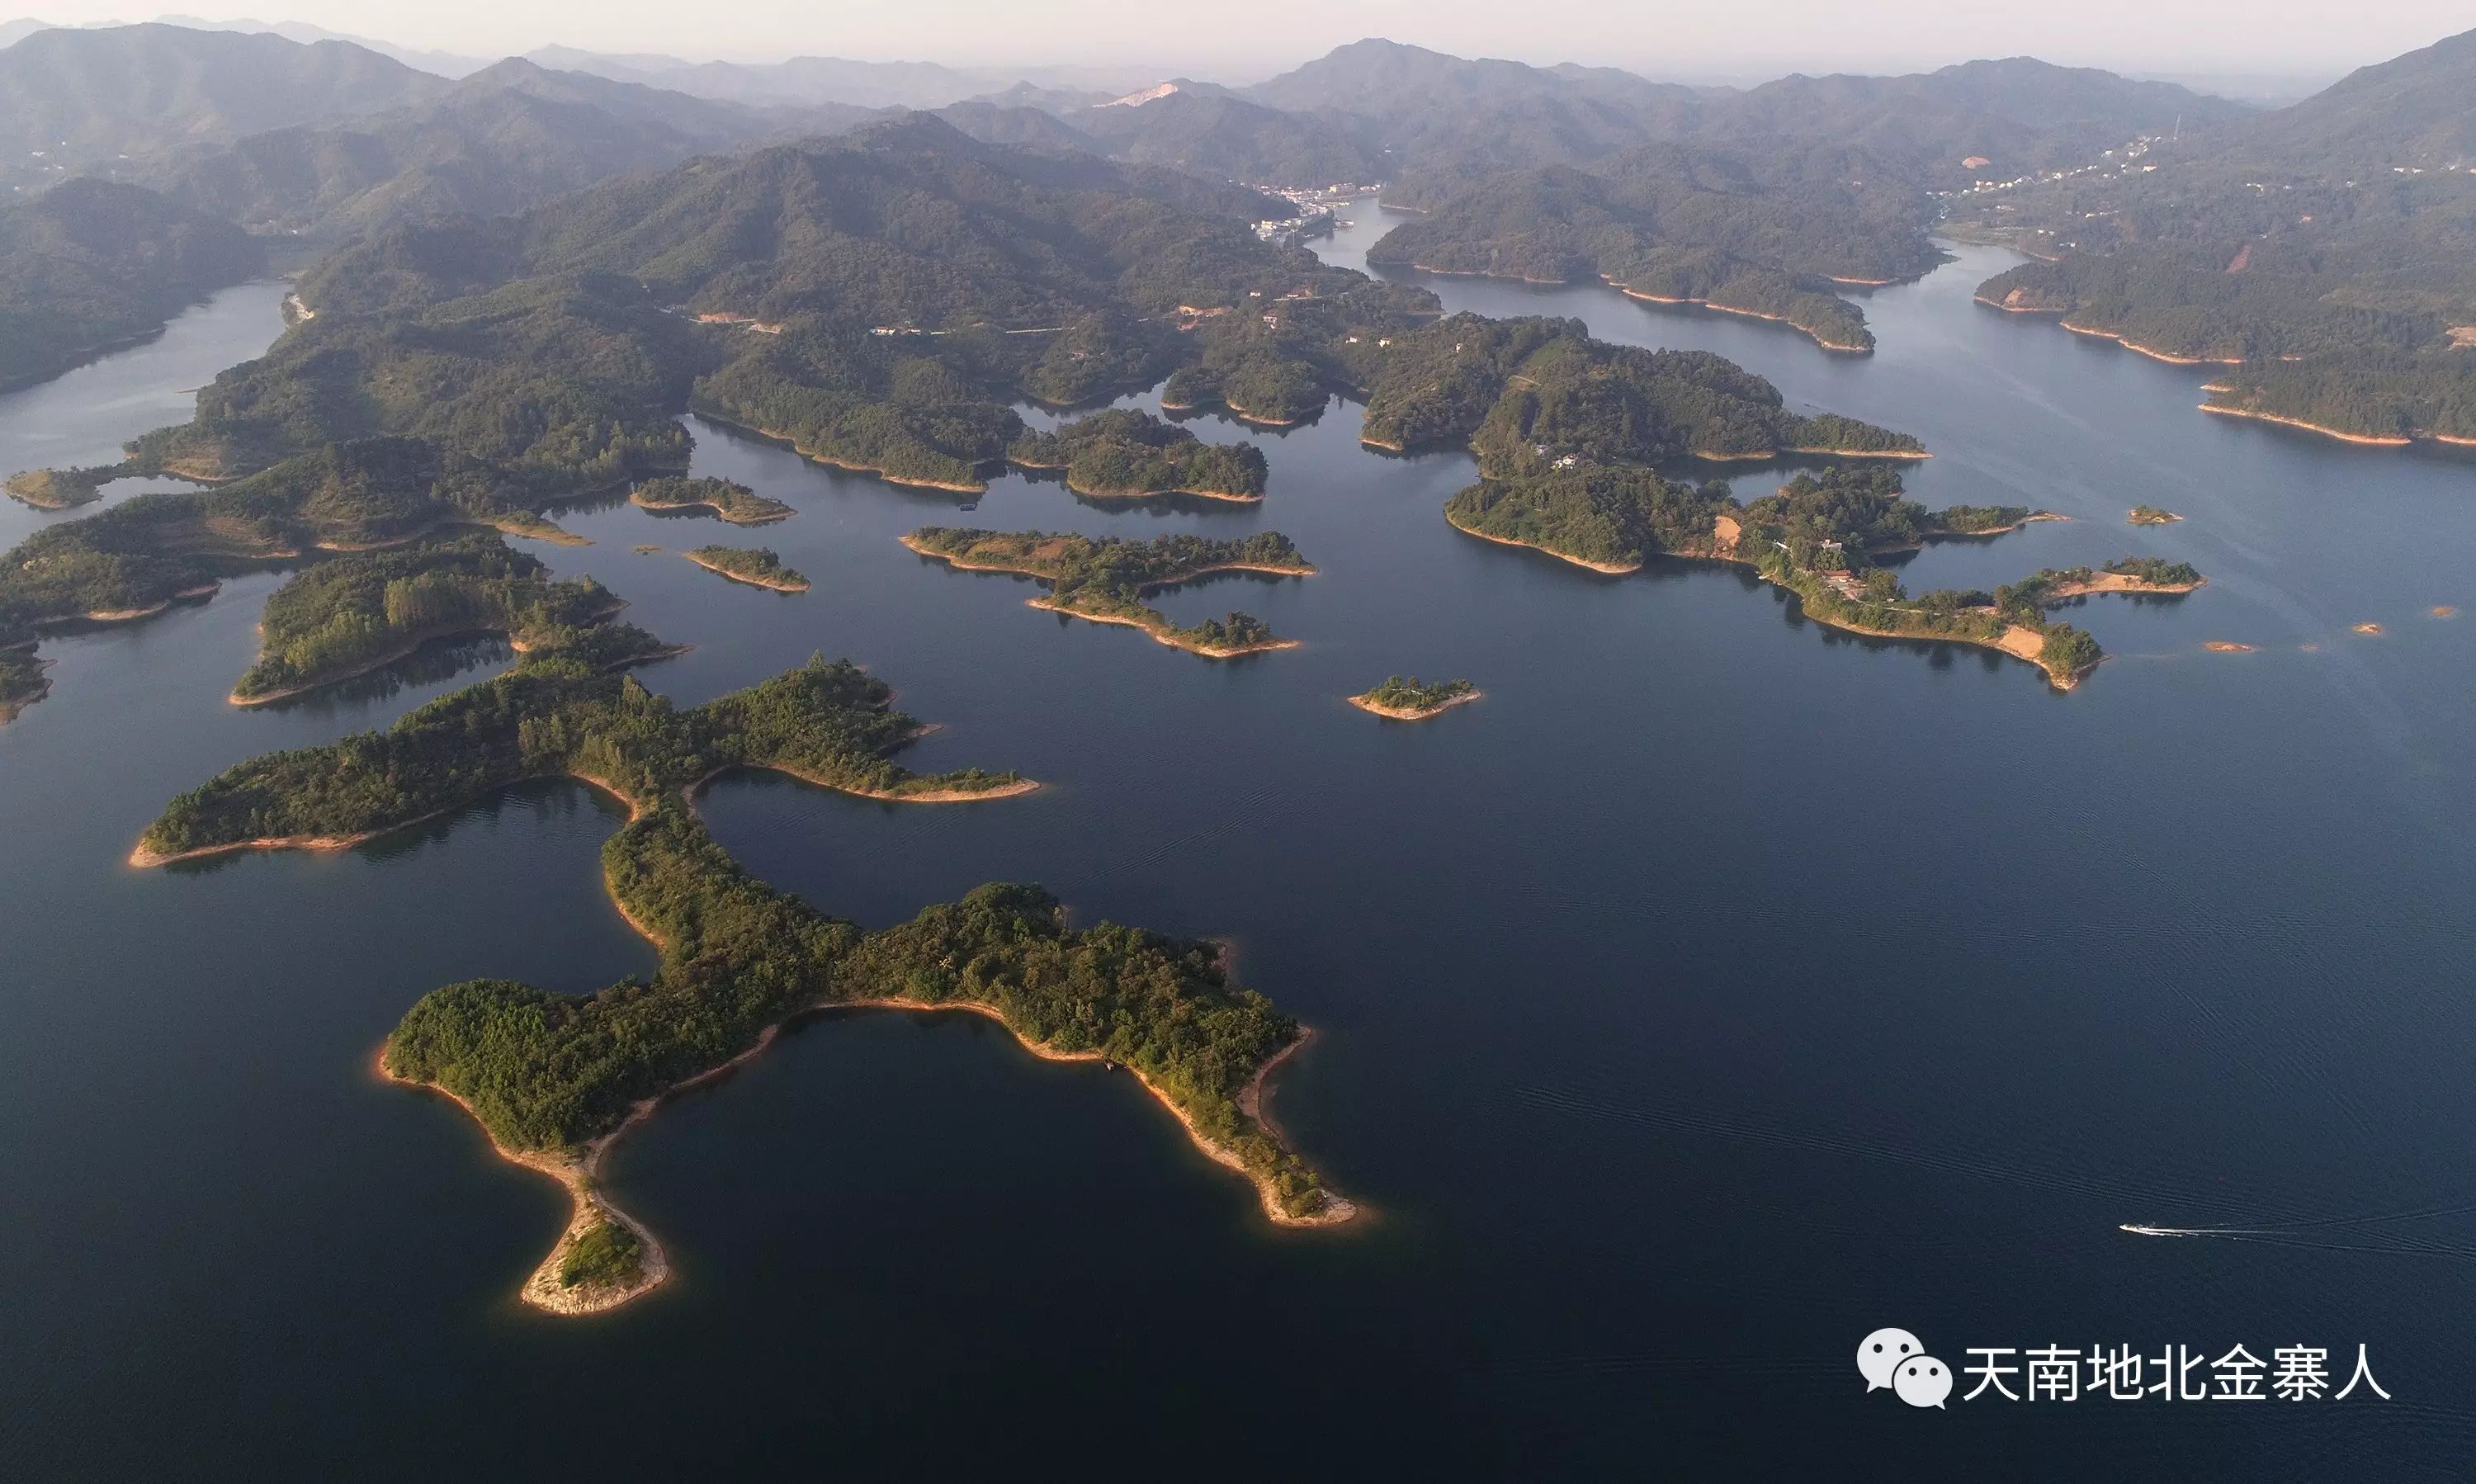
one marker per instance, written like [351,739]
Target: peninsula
[729,499]
[1541,392]
[554,1079]
[755,565]
[1126,454]
[1405,699]
[22,682]
[60,489]
[1107,581]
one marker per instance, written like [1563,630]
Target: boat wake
[2312,1234]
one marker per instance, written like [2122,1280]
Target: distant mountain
[92,264]
[1219,136]
[497,143]
[1382,78]
[13,30]
[2016,115]
[2416,111]
[1444,122]
[1448,122]
[447,64]
[1048,100]
[800,82]
[2327,251]
[70,99]
[992,123]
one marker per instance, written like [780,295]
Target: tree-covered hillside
[90,266]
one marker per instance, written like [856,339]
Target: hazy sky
[1239,42]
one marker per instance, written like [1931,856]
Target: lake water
[1716,991]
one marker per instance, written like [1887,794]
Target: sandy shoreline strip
[2366,438]
[1610,568]
[770,584]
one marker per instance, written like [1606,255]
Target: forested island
[1107,581]
[554,1079]
[1408,699]
[1818,537]
[755,565]
[357,614]
[728,499]
[1126,454]
[2152,515]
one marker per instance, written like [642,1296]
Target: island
[1406,699]
[554,1079]
[755,565]
[1124,454]
[1107,581]
[362,612]
[729,499]
[1818,535]
[2151,515]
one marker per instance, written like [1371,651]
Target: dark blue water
[1717,990]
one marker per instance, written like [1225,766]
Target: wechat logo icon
[1897,1359]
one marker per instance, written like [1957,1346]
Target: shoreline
[1160,630]
[1013,790]
[514,641]
[2366,439]
[1607,568]
[1419,713]
[2018,640]
[981,487]
[1835,347]
[576,1174]
[1153,494]
[2033,518]
[2125,582]
[1134,494]
[132,615]
[147,859]
[11,708]
[1259,419]
[770,584]
[2135,347]
[1159,633]
[1336,1211]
